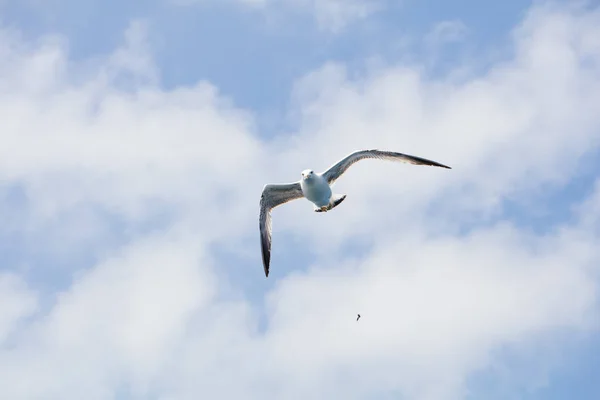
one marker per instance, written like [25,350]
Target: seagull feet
[322,209]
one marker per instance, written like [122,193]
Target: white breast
[316,190]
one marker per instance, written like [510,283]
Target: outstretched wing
[335,171]
[273,196]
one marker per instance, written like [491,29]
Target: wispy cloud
[334,15]
[16,303]
[330,15]
[446,31]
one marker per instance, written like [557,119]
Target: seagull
[316,188]
[357,318]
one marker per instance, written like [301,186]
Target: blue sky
[186,48]
[124,276]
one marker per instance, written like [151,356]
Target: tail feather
[335,201]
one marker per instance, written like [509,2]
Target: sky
[137,138]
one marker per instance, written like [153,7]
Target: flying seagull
[317,189]
[357,318]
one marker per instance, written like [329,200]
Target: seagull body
[316,188]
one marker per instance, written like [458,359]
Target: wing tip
[266,258]
[437,164]
[266,261]
[266,266]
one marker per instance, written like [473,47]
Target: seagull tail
[336,200]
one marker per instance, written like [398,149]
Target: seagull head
[307,174]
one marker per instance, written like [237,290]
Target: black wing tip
[266,262]
[436,164]
[420,159]
[266,266]
[432,163]
[266,258]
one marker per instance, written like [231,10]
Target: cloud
[331,15]
[334,15]
[17,302]
[150,181]
[446,31]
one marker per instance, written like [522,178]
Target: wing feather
[273,195]
[335,171]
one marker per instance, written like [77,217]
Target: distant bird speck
[357,318]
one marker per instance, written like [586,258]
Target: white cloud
[330,15]
[16,303]
[334,15]
[153,318]
[446,31]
